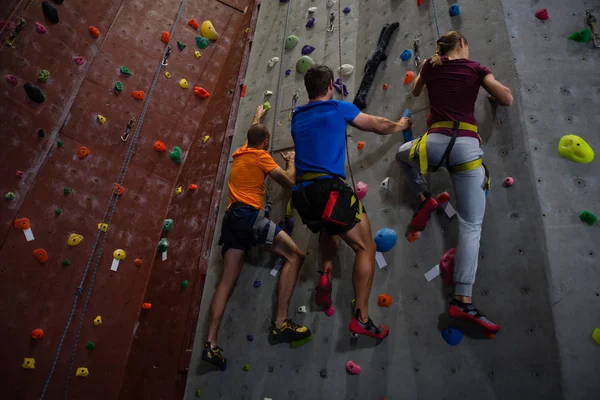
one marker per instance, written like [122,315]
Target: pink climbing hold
[20,174]
[542,14]
[330,311]
[12,79]
[79,60]
[353,368]
[41,29]
[7,25]
[447,266]
[361,190]
[508,181]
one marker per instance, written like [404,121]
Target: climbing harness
[591,21]
[128,129]
[260,223]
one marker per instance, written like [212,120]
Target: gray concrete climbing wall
[537,273]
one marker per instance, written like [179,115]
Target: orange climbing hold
[192,22]
[22,223]
[360,145]
[198,91]
[83,152]
[193,187]
[385,86]
[413,236]
[243,91]
[119,189]
[94,31]
[146,306]
[166,36]
[384,300]
[138,261]
[41,255]
[160,146]
[408,77]
[37,334]
[138,95]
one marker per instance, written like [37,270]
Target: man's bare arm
[380,125]
[287,177]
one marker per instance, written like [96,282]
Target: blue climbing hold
[406,55]
[452,336]
[407,133]
[307,49]
[385,239]
[310,23]
[347,10]
[288,72]
[249,338]
[454,10]
[257,283]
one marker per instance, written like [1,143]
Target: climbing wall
[537,273]
[66,190]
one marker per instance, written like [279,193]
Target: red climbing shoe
[369,329]
[323,293]
[468,312]
[419,221]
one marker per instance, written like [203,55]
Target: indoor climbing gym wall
[538,270]
[114,117]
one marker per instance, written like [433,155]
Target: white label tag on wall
[381,263]
[164,255]
[432,273]
[28,234]
[277,267]
[115,265]
[449,210]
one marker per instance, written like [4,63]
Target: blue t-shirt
[319,133]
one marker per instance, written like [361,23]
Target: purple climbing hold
[12,79]
[340,87]
[249,338]
[288,72]
[307,49]
[257,283]
[311,22]
[347,10]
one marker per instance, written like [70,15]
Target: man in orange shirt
[245,225]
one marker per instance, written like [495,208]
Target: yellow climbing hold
[208,31]
[102,227]
[119,254]
[205,139]
[184,84]
[167,74]
[179,190]
[28,363]
[596,335]
[101,119]
[98,321]
[81,371]
[197,54]
[246,30]
[74,239]
[575,149]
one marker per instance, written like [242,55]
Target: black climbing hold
[50,12]
[41,133]
[323,373]
[59,2]
[181,45]
[35,93]
[58,211]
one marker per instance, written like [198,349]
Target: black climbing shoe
[289,332]
[214,355]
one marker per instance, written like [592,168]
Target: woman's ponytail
[444,45]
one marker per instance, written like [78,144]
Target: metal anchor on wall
[125,136]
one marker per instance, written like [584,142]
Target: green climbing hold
[44,75]
[181,45]
[575,149]
[588,218]
[60,143]
[119,86]
[202,42]
[66,262]
[246,367]
[66,191]
[304,63]
[582,36]
[90,346]
[58,211]
[267,106]
[184,284]
[353,302]
[125,71]
[300,343]
[163,245]
[167,225]
[176,155]
[9,196]
[291,42]
[198,393]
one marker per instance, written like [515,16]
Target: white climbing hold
[268,93]
[302,309]
[273,61]
[386,184]
[346,69]
[330,3]
[312,10]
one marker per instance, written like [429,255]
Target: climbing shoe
[468,312]
[421,217]
[369,329]
[214,355]
[323,293]
[289,332]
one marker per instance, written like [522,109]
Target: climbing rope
[437,25]
[110,211]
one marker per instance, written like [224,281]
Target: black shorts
[327,204]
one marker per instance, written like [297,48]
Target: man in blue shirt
[324,201]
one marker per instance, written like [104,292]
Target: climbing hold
[179,190]
[163,245]
[542,14]
[419,2]
[312,10]
[288,72]
[74,239]
[454,10]
[266,106]
[118,189]
[352,368]
[246,367]
[20,174]
[9,196]
[192,187]
[360,145]
[82,371]
[384,300]
[165,37]
[94,31]
[385,184]
[66,262]
[452,336]
[58,211]
[138,95]
[408,77]
[176,155]
[184,83]
[60,143]
[257,284]
[304,63]
[119,86]
[588,218]
[98,321]
[79,60]
[311,22]
[385,239]
[125,71]
[307,49]
[268,93]
[385,86]
[22,224]
[197,54]
[119,254]
[184,284]
[11,79]
[302,309]
[28,363]
[340,87]
[35,93]
[198,393]
[205,138]
[330,311]
[208,31]
[346,10]
[582,36]
[66,191]
[508,182]
[83,152]
[361,190]
[159,146]
[291,42]
[41,255]
[39,28]
[138,262]
[37,334]
[407,133]
[346,69]
[181,45]
[50,12]
[447,266]
[201,92]
[406,55]
[596,335]
[330,3]
[41,133]
[146,306]
[442,198]
[90,346]
[202,42]
[575,149]
[272,62]
[167,225]
[250,338]
[101,119]
[167,74]
[192,22]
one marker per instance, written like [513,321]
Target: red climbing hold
[447,266]
[243,91]
[146,306]
[20,174]
[94,31]
[138,261]
[83,152]
[166,36]
[360,145]
[419,2]
[138,95]
[119,190]
[41,255]
[408,77]
[12,79]
[160,146]
[22,224]
[192,22]
[198,91]
[385,86]
[79,60]
[193,187]
[37,334]
[542,14]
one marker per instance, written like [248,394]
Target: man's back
[247,178]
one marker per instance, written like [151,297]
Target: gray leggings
[470,199]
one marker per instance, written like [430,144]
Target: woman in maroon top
[453,83]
